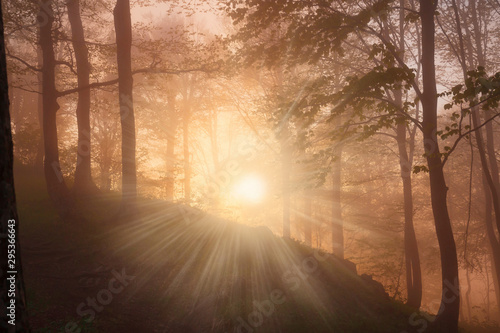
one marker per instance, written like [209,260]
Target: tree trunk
[187,163]
[38,165]
[308,219]
[491,200]
[9,223]
[337,221]
[493,238]
[123,30]
[467,293]
[447,319]
[171,130]
[412,258]
[56,186]
[488,301]
[286,160]
[494,183]
[83,180]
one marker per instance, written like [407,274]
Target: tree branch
[151,70]
[461,136]
[33,68]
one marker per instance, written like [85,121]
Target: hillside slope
[175,269]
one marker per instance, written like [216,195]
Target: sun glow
[250,188]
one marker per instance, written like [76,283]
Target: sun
[250,188]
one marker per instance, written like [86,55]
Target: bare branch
[33,68]
[461,136]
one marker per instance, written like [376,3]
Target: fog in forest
[253,165]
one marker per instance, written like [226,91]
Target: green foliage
[303,31]
[479,89]
[420,168]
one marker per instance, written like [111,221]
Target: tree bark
[447,319]
[412,257]
[308,219]
[337,221]
[8,213]
[171,130]
[56,186]
[492,237]
[38,165]
[492,204]
[83,180]
[490,180]
[123,30]
[286,160]
[187,163]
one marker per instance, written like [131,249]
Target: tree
[471,53]
[56,186]
[412,257]
[123,30]
[83,180]
[447,320]
[9,224]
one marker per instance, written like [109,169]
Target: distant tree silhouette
[123,30]
[56,187]
[83,179]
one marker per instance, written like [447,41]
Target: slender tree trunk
[447,319]
[412,258]
[494,183]
[11,272]
[490,180]
[213,139]
[308,218]
[488,301]
[337,221]
[467,293]
[38,165]
[171,130]
[491,203]
[123,29]
[187,163]
[493,238]
[56,186]
[494,275]
[286,161]
[83,179]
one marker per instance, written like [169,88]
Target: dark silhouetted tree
[8,213]
[123,30]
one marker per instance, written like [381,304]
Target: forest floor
[176,269]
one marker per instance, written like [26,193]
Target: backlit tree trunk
[286,161]
[38,165]
[492,237]
[56,186]
[494,185]
[447,319]
[171,131]
[337,221]
[486,150]
[83,179]
[412,257]
[308,219]
[187,162]
[123,29]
